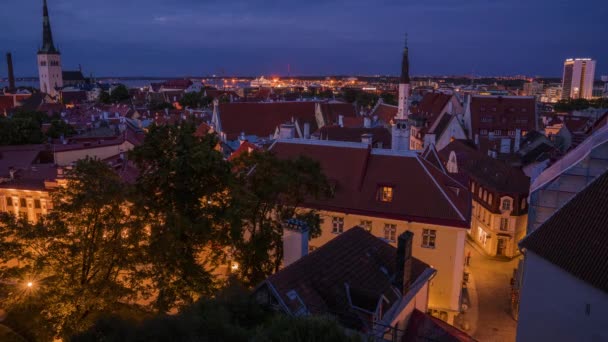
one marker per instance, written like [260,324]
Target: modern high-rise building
[577,82]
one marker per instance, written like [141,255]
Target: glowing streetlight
[30,284]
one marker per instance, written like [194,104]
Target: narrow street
[489,289]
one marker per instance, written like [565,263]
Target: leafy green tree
[79,261]
[119,93]
[161,106]
[389,99]
[184,188]
[349,95]
[104,97]
[195,100]
[231,315]
[366,100]
[25,127]
[268,192]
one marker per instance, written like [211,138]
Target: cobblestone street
[489,290]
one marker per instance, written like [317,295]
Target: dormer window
[385,193]
[505,204]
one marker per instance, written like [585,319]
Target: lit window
[390,232]
[37,203]
[367,225]
[337,225]
[523,203]
[506,204]
[22,202]
[9,201]
[386,194]
[504,224]
[428,238]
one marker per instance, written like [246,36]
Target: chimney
[517,140]
[477,139]
[403,277]
[341,120]
[367,122]
[11,73]
[306,130]
[287,131]
[295,241]
[367,139]
[242,138]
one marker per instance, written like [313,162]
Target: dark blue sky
[255,37]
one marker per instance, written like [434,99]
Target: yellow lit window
[386,194]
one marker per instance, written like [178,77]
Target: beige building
[499,198]
[387,193]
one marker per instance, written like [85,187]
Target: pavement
[489,293]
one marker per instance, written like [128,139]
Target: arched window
[490,198]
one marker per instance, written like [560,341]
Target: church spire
[47,36]
[405,65]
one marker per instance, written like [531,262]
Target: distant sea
[131,83]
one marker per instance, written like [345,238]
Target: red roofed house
[263,119]
[500,192]
[368,285]
[388,192]
[436,120]
[500,118]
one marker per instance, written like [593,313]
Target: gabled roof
[385,113]
[331,111]
[422,193]
[353,267]
[575,237]
[491,173]
[73,76]
[244,147]
[262,119]
[430,155]
[431,105]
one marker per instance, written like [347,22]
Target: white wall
[553,305]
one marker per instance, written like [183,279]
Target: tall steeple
[405,65]
[47,35]
[50,73]
[404,84]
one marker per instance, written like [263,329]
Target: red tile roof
[422,193]
[493,174]
[262,119]
[385,113]
[331,112]
[202,130]
[245,147]
[356,258]
[505,113]
[6,103]
[431,105]
[423,327]
[575,237]
[337,133]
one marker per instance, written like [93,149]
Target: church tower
[400,130]
[404,84]
[49,59]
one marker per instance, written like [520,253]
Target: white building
[565,284]
[578,78]
[49,59]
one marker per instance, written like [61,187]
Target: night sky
[255,37]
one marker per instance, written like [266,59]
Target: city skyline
[186,38]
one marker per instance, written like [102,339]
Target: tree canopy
[25,127]
[112,248]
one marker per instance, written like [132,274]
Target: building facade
[499,198]
[382,191]
[578,78]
